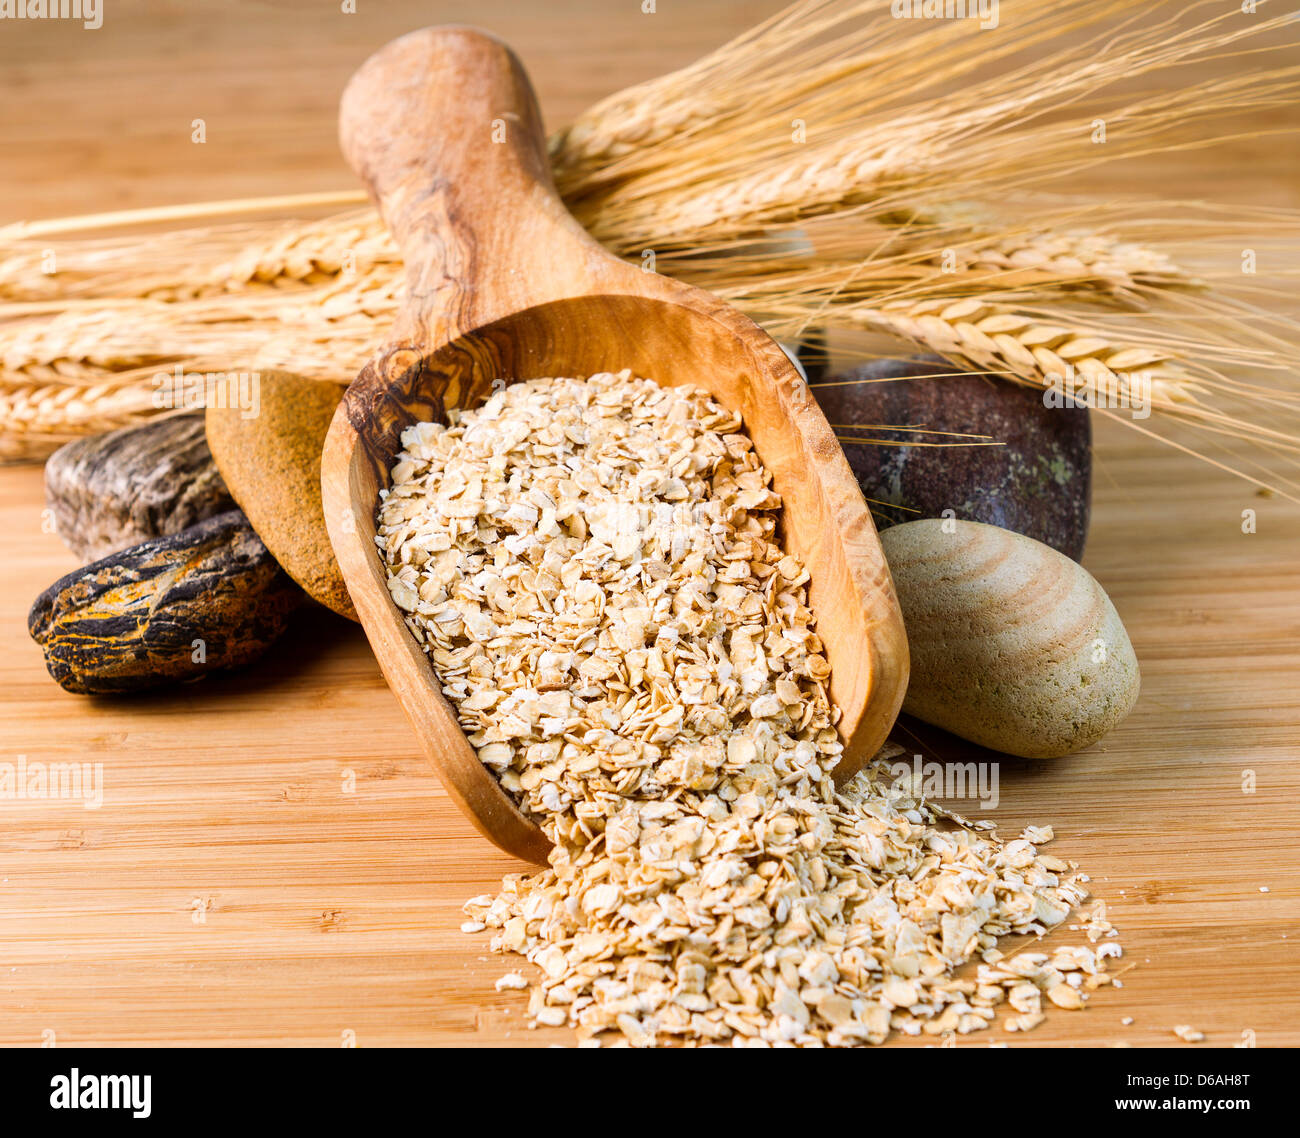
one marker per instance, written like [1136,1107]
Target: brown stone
[1037,483]
[271,463]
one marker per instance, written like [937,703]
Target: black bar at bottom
[365,1085]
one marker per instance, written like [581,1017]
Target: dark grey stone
[1037,483]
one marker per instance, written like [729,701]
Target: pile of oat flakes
[591,566]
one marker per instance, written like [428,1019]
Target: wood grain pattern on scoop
[205,600]
[271,462]
[111,491]
[503,283]
[1014,646]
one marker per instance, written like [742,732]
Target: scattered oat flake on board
[511,981]
[1189,1034]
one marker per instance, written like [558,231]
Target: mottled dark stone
[130,621]
[1037,483]
[115,490]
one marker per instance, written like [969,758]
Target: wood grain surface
[273,862]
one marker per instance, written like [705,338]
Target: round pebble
[1014,646]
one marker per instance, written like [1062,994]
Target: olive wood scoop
[503,283]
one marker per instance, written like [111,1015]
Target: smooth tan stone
[1014,646]
[271,465]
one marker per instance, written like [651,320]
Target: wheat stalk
[951,257]
[870,145]
[197,262]
[326,330]
[1085,361]
[633,122]
[801,53]
[40,416]
[1012,343]
[1076,255]
[321,322]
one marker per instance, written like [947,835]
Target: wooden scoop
[503,283]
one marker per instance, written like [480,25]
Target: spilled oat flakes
[591,566]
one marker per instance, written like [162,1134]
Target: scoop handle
[443,127]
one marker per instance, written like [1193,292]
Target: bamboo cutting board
[273,862]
